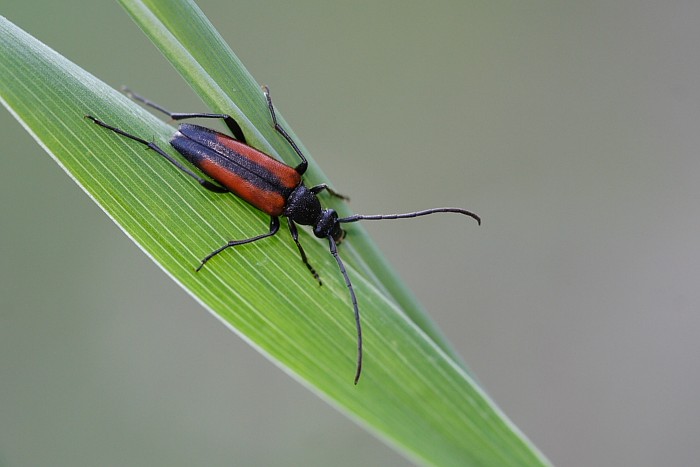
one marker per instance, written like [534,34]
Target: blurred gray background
[572,128]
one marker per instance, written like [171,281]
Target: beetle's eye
[338,234]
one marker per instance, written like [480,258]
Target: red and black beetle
[266,183]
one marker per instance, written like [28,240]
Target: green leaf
[413,393]
[185,36]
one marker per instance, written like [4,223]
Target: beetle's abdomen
[250,174]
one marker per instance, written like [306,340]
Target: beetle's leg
[230,122]
[319,188]
[274,227]
[301,168]
[295,237]
[151,145]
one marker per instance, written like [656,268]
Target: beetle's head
[328,225]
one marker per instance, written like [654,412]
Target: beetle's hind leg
[151,145]
[229,120]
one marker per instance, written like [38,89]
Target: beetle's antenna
[408,215]
[334,252]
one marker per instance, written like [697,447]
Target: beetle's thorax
[303,206]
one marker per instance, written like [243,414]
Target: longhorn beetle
[266,183]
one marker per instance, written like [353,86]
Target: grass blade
[186,37]
[412,394]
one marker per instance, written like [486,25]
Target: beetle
[267,184]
